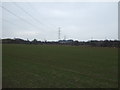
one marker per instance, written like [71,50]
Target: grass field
[50,66]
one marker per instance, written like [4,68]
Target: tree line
[94,43]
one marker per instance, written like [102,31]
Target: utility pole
[91,38]
[64,37]
[59,32]
[105,38]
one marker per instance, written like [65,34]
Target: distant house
[66,41]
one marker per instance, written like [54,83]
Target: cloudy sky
[78,21]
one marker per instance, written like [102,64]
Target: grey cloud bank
[78,21]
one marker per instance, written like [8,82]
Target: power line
[27,13]
[7,21]
[49,25]
[32,16]
[35,19]
[17,16]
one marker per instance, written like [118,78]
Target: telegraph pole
[91,38]
[59,32]
[64,37]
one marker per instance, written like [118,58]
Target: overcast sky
[78,21]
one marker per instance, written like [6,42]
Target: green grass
[50,66]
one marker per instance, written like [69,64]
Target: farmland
[54,66]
